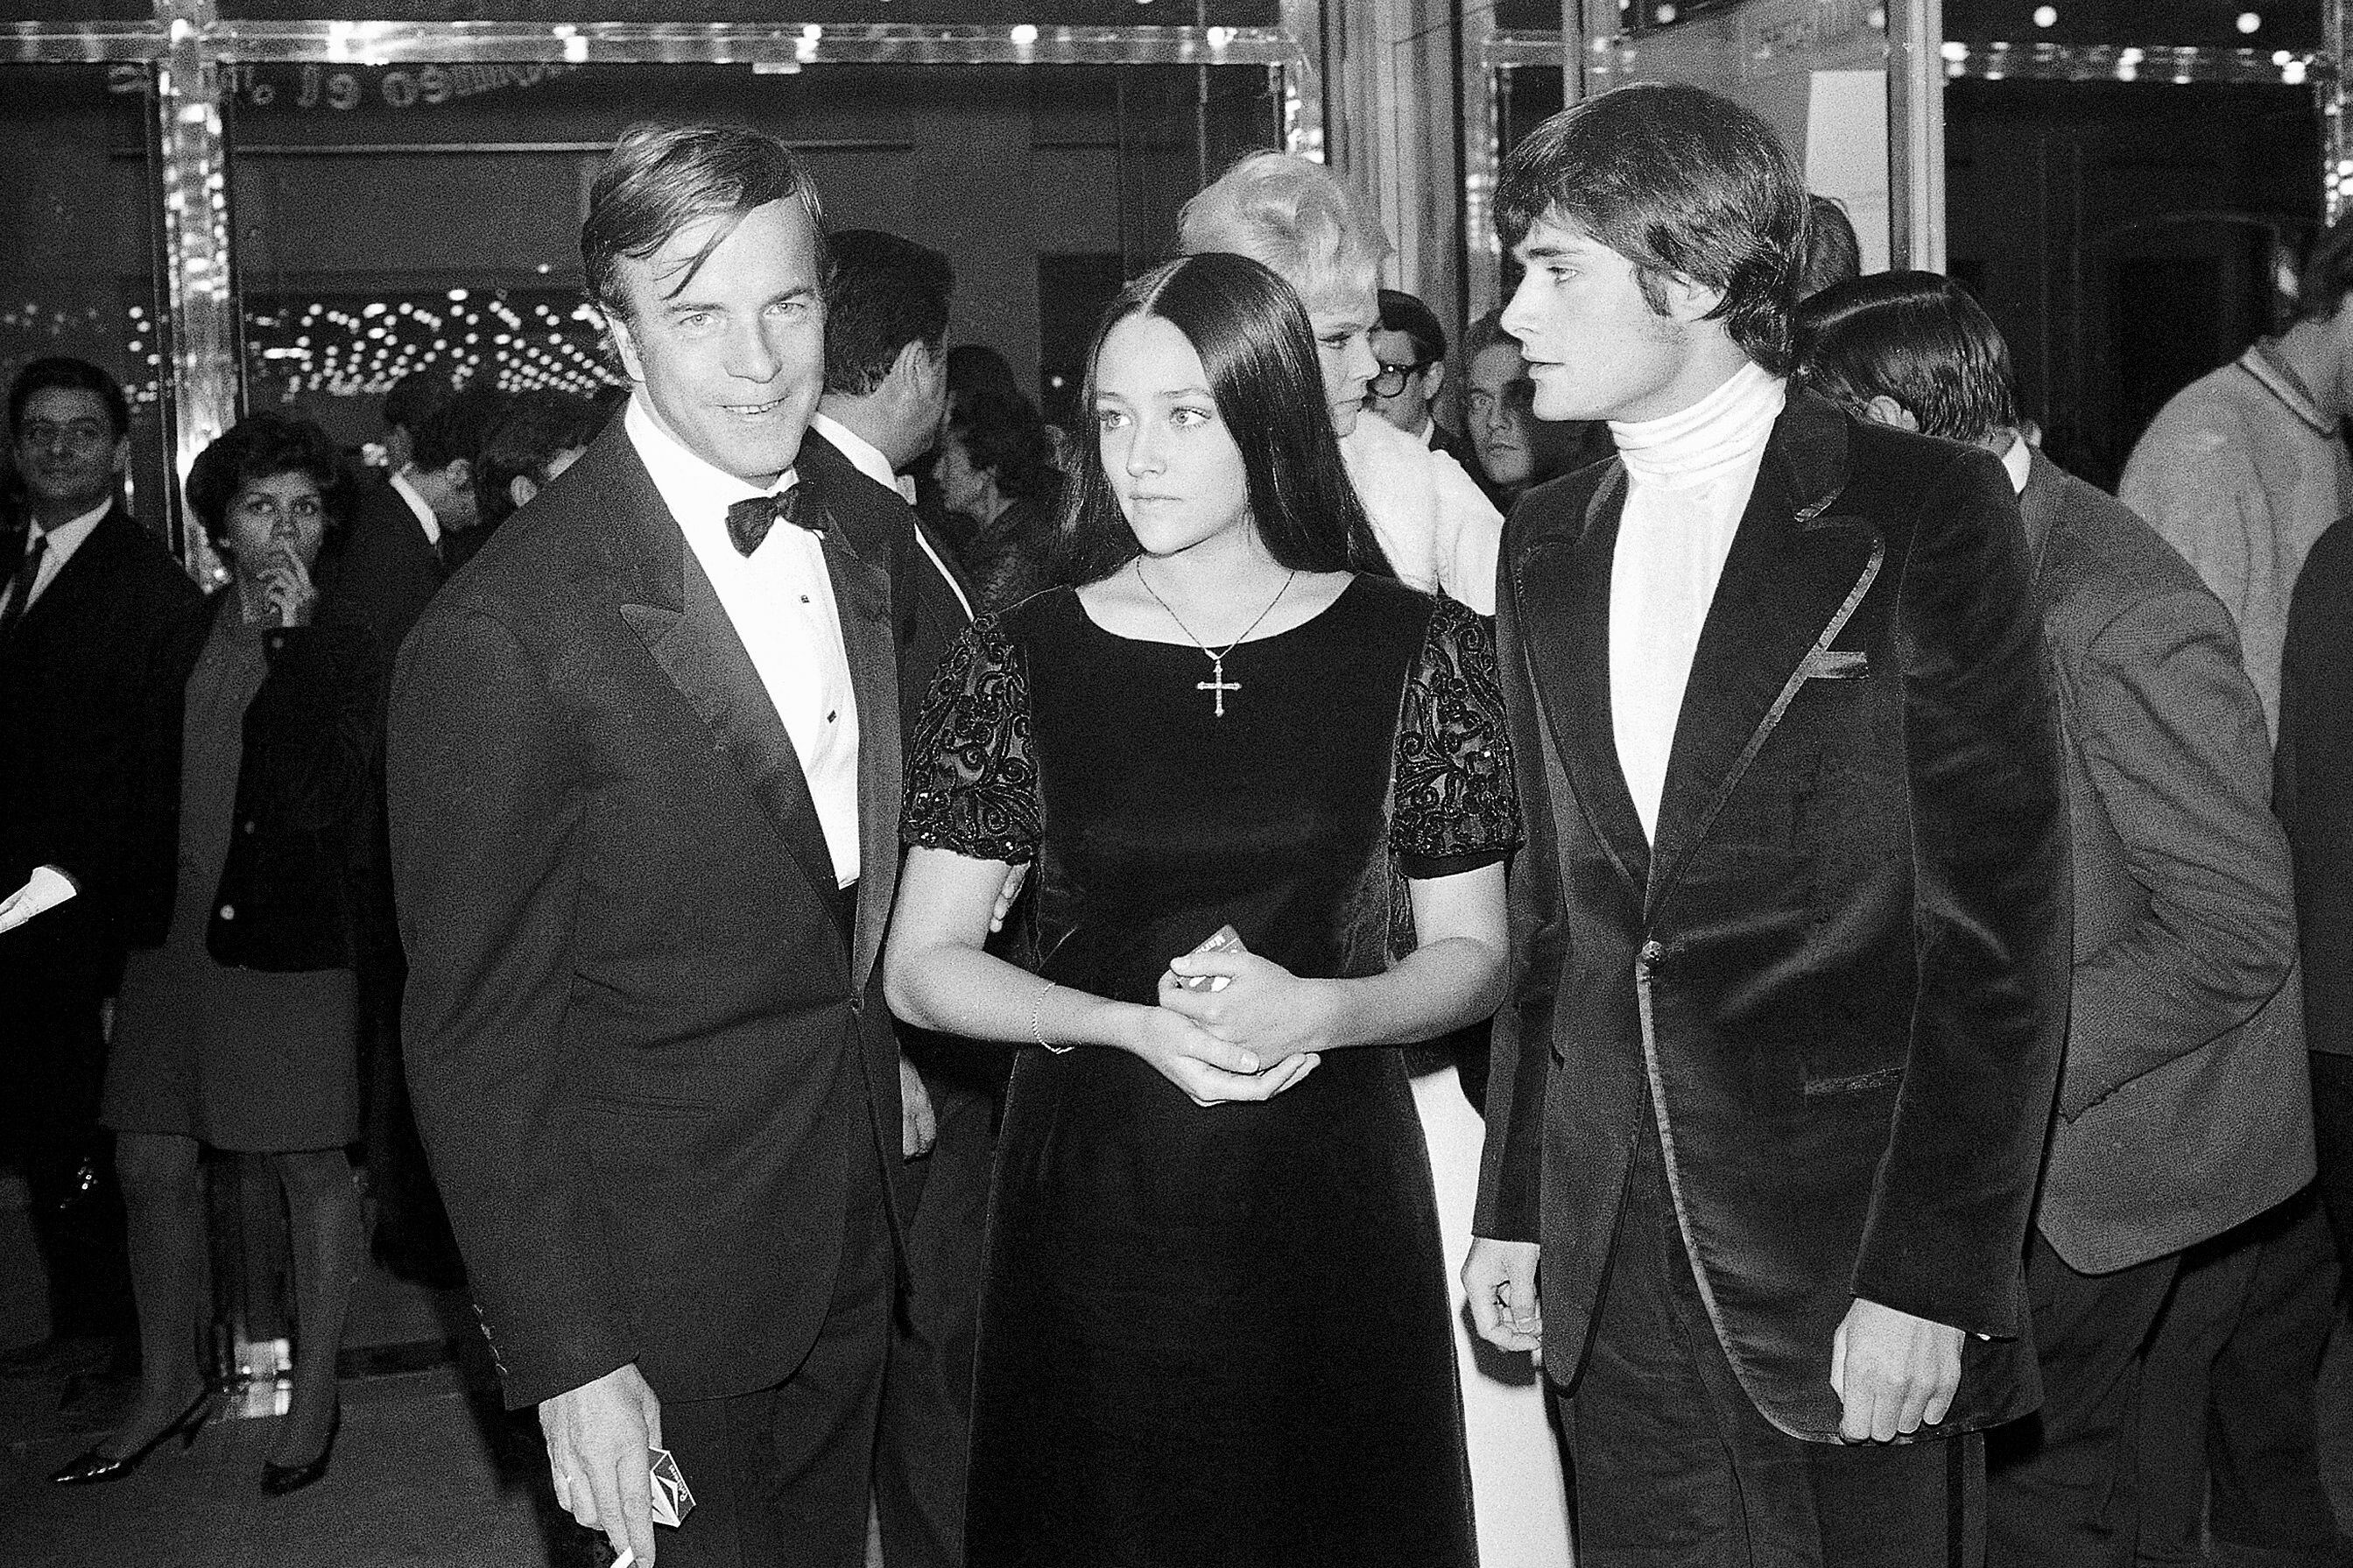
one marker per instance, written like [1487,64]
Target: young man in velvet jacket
[1790,969]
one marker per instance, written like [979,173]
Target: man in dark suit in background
[2183,1107]
[1411,348]
[87,610]
[646,776]
[393,559]
[390,563]
[1790,934]
[886,392]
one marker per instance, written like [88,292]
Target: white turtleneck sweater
[1689,475]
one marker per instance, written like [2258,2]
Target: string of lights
[345,345]
[2046,61]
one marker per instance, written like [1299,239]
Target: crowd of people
[893,947]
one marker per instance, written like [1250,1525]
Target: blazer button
[228,912]
[1651,953]
[249,824]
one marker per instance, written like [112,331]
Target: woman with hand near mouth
[1214,1322]
[239,1030]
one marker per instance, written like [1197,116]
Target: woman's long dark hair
[1259,352]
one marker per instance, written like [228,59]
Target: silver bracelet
[1037,1010]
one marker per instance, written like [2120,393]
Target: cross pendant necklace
[1216,685]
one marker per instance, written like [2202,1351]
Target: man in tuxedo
[886,392]
[2183,1107]
[87,614]
[1789,980]
[645,775]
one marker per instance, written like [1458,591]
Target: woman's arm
[936,974]
[1454,977]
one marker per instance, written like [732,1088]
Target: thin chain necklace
[1218,685]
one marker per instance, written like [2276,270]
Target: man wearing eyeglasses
[87,602]
[1411,348]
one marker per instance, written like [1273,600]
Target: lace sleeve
[971,786]
[1456,809]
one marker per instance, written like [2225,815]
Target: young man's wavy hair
[1918,338]
[1258,353]
[1680,183]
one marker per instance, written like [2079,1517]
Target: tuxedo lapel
[1564,591]
[676,613]
[1794,575]
[857,561]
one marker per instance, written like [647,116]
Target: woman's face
[963,487]
[281,512]
[1344,349]
[1167,453]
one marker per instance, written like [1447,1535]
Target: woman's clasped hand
[1269,1016]
[1249,1039]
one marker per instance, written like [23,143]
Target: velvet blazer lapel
[1564,584]
[1796,573]
[671,604]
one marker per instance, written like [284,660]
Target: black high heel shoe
[92,1467]
[278,1479]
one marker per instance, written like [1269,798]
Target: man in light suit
[2183,1107]
[646,774]
[1789,936]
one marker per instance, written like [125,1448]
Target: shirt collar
[2268,366]
[2019,461]
[697,494]
[418,504]
[68,534]
[863,454]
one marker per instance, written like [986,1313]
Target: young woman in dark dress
[240,1030]
[1214,1323]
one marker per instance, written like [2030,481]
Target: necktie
[20,585]
[748,521]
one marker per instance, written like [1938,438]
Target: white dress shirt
[63,541]
[1439,531]
[2020,460]
[780,600]
[425,518]
[868,459]
[1689,478]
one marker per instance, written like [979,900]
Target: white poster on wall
[1846,152]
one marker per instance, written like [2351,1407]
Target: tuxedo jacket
[88,685]
[2184,1106]
[1838,979]
[642,1053]
[384,570]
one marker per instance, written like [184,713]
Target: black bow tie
[748,521]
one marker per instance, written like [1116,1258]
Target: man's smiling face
[731,355]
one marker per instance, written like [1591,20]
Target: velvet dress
[1216,1335]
